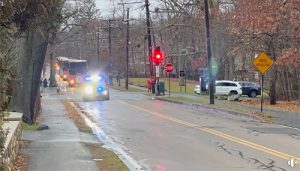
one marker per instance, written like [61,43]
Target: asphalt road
[157,135]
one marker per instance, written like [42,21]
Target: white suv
[197,89]
[225,87]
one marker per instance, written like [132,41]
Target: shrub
[6,77]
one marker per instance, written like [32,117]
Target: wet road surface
[157,135]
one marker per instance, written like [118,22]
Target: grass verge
[73,114]
[263,116]
[28,127]
[130,89]
[285,106]
[105,159]
[3,115]
[174,84]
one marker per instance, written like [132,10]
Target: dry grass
[290,106]
[130,89]
[174,84]
[105,159]
[21,163]
[264,116]
[73,114]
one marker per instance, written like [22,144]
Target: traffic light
[158,56]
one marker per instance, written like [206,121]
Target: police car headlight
[95,78]
[88,89]
[105,92]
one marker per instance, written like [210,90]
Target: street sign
[169,68]
[181,73]
[157,71]
[262,62]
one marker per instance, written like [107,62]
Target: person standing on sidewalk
[45,85]
[149,84]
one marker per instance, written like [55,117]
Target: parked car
[250,89]
[197,89]
[224,87]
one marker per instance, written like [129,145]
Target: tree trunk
[231,75]
[284,89]
[289,87]
[52,71]
[298,78]
[33,46]
[273,81]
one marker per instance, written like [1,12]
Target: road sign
[157,71]
[169,68]
[262,62]
[181,73]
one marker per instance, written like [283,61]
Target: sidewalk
[290,119]
[60,147]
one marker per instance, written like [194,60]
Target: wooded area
[33,32]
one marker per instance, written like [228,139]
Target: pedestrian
[41,86]
[149,84]
[45,84]
[118,79]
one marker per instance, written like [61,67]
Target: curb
[197,106]
[108,143]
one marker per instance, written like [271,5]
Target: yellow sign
[262,62]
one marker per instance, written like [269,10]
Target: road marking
[220,134]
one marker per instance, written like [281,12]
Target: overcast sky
[106,7]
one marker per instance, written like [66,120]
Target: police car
[95,87]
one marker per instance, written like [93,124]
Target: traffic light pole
[157,80]
[157,59]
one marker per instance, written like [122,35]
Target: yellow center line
[220,134]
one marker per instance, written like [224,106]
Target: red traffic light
[157,56]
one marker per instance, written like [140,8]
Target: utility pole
[149,37]
[145,56]
[109,51]
[127,50]
[127,42]
[79,46]
[208,49]
[98,48]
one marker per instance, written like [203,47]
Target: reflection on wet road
[156,135]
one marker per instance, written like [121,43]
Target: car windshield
[150,85]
